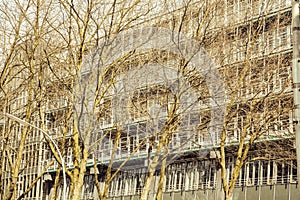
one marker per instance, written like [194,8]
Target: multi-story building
[245,71]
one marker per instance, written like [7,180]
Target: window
[270,41]
[105,111]
[284,35]
[88,187]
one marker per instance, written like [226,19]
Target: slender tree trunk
[19,155]
[228,195]
[55,186]
[148,182]
[78,177]
[152,167]
[108,177]
[3,148]
[161,178]
[77,185]
[16,169]
[1,164]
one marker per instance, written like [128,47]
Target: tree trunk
[77,185]
[228,195]
[159,192]
[55,186]
[79,179]
[77,191]
[149,179]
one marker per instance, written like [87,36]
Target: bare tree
[91,27]
[257,90]
[112,73]
[18,91]
[258,102]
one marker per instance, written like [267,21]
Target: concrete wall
[274,192]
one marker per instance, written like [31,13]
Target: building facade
[200,71]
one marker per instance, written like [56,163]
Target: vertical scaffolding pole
[296,78]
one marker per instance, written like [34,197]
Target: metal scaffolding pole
[296,78]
